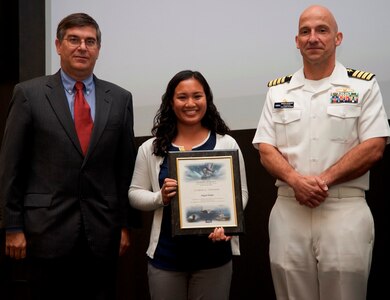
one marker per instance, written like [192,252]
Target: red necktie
[82,117]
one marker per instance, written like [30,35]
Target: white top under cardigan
[144,193]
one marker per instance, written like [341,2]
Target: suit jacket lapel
[56,96]
[103,105]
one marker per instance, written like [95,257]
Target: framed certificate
[208,193]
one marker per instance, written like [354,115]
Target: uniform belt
[341,192]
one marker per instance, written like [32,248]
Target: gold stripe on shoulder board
[360,74]
[279,80]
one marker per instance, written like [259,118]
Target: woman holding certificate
[184,266]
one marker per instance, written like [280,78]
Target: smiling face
[78,61]
[318,36]
[189,102]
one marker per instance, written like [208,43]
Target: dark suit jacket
[49,188]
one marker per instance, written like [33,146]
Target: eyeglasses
[75,41]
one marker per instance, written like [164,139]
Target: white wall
[237,45]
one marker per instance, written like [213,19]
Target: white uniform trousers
[322,253]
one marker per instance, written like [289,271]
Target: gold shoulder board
[360,74]
[279,80]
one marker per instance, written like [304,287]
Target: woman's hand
[168,190]
[219,235]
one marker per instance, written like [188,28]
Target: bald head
[321,13]
[317,39]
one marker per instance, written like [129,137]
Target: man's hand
[310,190]
[15,244]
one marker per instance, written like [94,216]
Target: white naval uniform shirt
[311,131]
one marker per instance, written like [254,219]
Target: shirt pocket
[343,122]
[287,126]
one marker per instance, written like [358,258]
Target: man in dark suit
[65,200]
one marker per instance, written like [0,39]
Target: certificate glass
[208,193]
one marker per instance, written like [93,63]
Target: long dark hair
[165,121]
